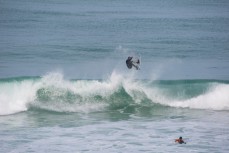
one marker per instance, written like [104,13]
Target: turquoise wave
[54,93]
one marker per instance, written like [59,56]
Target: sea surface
[65,87]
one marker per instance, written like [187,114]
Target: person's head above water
[180,140]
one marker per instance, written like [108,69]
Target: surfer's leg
[136,67]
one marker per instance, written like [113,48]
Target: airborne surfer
[130,62]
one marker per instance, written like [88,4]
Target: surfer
[130,63]
[180,140]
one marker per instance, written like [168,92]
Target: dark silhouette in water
[180,140]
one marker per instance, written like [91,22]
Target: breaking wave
[54,93]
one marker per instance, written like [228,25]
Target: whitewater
[53,93]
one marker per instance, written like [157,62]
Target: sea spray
[14,96]
[119,91]
[217,98]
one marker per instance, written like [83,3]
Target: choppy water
[64,86]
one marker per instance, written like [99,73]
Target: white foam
[15,96]
[87,89]
[103,88]
[216,98]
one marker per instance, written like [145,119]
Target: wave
[54,93]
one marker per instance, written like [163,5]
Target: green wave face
[53,93]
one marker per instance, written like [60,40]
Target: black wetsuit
[129,62]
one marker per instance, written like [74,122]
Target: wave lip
[14,96]
[216,98]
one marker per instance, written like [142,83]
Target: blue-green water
[64,85]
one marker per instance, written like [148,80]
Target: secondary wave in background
[54,93]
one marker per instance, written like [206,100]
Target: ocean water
[64,85]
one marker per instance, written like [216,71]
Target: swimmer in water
[180,140]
